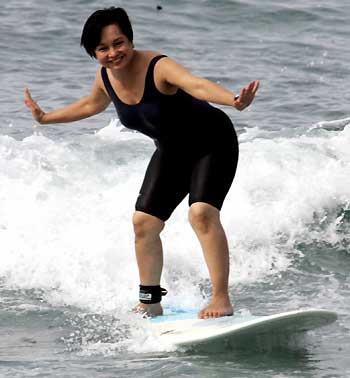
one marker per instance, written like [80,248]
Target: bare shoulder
[98,79]
[98,85]
[171,74]
[147,55]
[164,71]
[150,53]
[168,65]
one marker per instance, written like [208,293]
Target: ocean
[68,274]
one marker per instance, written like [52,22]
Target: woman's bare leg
[205,221]
[149,256]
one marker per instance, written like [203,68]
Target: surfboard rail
[186,329]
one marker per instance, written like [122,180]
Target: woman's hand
[246,96]
[38,113]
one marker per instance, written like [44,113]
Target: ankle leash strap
[151,294]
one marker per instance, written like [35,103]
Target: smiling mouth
[117,60]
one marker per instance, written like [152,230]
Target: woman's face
[114,50]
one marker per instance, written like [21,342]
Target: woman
[196,154]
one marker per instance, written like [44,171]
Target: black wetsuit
[197,148]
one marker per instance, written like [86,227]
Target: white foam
[334,125]
[66,207]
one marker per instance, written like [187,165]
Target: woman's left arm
[173,74]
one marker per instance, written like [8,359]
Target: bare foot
[219,306]
[151,310]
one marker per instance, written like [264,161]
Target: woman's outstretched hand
[247,95]
[38,113]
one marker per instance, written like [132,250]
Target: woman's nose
[113,51]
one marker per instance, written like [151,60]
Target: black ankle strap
[151,294]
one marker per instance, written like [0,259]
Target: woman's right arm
[94,103]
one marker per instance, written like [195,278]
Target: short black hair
[91,35]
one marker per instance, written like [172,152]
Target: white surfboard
[186,330]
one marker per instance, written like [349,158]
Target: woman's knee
[146,225]
[203,216]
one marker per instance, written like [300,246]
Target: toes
[204,314]
[207,314]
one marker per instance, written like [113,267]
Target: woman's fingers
[247,95]
[28,99]
[33,106]
[251,89]
[27,95]
[255,86]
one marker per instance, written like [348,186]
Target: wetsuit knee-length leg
[213,173]
[173,173]
[165,185]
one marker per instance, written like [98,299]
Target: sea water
[68,275]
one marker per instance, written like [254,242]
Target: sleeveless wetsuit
[197,148]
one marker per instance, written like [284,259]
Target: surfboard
[184,329]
